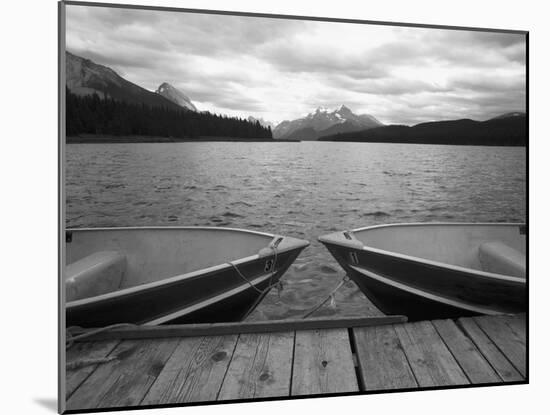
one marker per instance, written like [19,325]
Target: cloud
[281,69]
[489,83]
[387,85]
[296,57]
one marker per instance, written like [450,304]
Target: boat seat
[96,274]
[500,258]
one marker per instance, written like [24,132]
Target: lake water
[298,189]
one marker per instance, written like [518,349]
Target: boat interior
[495,248]
[106,260]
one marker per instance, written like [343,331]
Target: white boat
[436,270]
[158,275]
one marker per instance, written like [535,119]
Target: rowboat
[436,270]
[155,275]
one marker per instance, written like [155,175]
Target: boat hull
[397,284]
[222,293]
[391,300]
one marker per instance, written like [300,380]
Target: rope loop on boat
[270,285]
[273,268]
[328,297]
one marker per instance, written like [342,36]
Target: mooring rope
[77,364]
[275,253]
[318,306]
[279,284]
[71,338]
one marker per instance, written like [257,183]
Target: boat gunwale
[131,228]
[477,273]
[189,275]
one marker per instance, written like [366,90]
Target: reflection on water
[298,189]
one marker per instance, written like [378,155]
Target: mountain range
[504,130]
[323,122]
[85,78]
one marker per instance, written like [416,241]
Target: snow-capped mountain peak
[344,110]
[323,119]
[510,114]
[175,95]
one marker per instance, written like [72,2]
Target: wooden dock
[223,362]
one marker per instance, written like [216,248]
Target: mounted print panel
[261,207]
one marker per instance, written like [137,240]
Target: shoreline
[108,139]
[422,144]
[160,140]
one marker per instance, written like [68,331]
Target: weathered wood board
[382,361]
[323,363]
[126,380]
[508,338]
[472,362]
[498,361]
[194,372]
[431,361]
[79,355]
[261,367]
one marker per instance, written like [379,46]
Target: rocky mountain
[324,122]
[175,95]
[85,77]
[262,122]
[504,130]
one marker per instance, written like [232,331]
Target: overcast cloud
[282,69]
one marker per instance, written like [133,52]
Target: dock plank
[518,324]
[382,361]
[261,367]
[502,366]
[430,359]
[194,372]
[323,363]
[80,353]
[126,380]
[507,337]
[470,359]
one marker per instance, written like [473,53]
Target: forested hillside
[90,114]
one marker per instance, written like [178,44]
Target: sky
[281,69]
